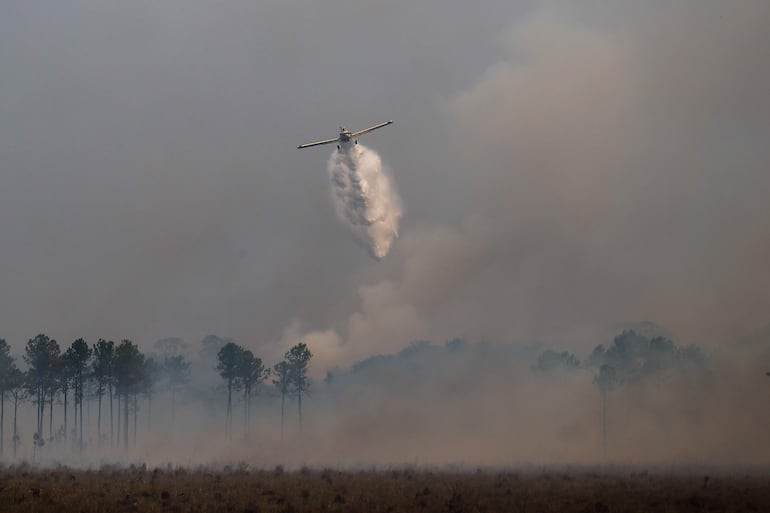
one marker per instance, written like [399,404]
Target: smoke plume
[365,198]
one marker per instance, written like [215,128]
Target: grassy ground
[27,490]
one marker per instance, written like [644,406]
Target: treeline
[631,359]
[641,364]
[117,375]
[220,386]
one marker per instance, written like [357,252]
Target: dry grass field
[24,489]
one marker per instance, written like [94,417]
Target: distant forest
[116,376]
[116,381]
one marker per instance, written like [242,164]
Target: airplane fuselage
[346,137]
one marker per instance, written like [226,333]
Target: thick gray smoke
[365,198]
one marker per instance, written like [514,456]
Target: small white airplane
[345,136]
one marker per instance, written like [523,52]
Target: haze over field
[566,168]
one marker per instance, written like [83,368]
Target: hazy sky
[563,166]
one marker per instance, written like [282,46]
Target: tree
[551,360]
[17,387]
[7,368]
[64,378]
[227,365]
[41,354]
[211,345]
[298,358]
[101,368]
[54,385]
[660,356]
[634,359]
[282,381]
[177,371]
[77,362]
[251,372]
[606,380]
[129,376]
[637,359]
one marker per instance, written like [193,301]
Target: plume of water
[365,198]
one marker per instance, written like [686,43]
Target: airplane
[345,136]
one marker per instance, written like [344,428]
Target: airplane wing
[375,127]
[318,143]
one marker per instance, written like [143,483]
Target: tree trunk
[65,390]
[41,414]
[229,414]
[112,430]
[125,421]
[81,394]
[99,418]
[15,426]
[40,419]
[245,410]
[117,428]
[50,420]
[87,422]
[75,423]
[299,404]
[604,425]
[136,411]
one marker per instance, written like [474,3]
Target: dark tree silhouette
[104,353]
[606,380]
[551,360]
[227,365]
[41,354]
[659,357]
[251,372]
[7,368]
[634,359]
[129,376]
[65,381]
[78,360]
[637,359]
[17,388]
[54,385]
[282,381]
[627,355]
[298,358]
